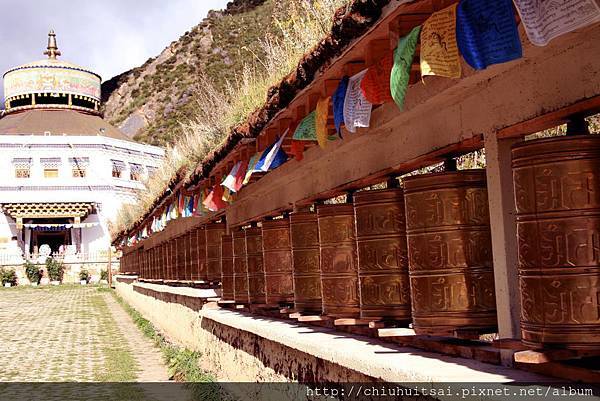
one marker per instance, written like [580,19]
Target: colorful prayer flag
[338,104]
[240,175]
[376,83]
[307,129]
[321,117]
[229,181]
[439,51]
[214,200]
[227,195]
[403,58]
[546,20]
[357,109]
[297,150]
[251,168]
[273,156]
[487,32]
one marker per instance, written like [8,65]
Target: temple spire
[52,51]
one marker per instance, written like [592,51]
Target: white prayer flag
[273,152]
[546,20]
[229,181]
[357,109]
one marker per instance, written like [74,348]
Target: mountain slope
[149,102]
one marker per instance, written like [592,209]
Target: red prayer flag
[214,200]
[376,82]
[297,150]
[240,175]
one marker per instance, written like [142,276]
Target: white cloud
[107,36]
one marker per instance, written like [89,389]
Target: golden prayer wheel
[450,252]
[306,262]
[182,256]
[339,270]
[240,267]
[227,292]
[382,254]
[201,271]
[254,262]
[193,266]
[557,192]
[214,231]
[171,259]
[277,256]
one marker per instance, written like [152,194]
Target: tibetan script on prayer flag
[357,109]
[439,52]
[322,115]
[545,20]
[403,57]
[487,32]
[376,83]
[306,130]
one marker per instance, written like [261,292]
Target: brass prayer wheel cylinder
[193,267]
[227,292]
[382,254]
[306,262]
[201,270]
[450,252]
[339,267]
[240,268]
[254,262]
[214,231]
[557,192]
[277,257]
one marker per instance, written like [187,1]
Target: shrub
[8,276]
[84,275]
[104,274]
[55,269]
[32,272]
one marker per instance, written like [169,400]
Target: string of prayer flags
[214,201]
[357,109]
[321,117]
[546,20]
[307,129]
[439,51]
[403,58]
[376,83]
[180,204]
[251,168]
[188,206]
[487,32]
[196,208]
[338,104]
[227,195]
[229,181]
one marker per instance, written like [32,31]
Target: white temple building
[65,171]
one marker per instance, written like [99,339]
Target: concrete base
[240,347]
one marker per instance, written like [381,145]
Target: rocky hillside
[149,102]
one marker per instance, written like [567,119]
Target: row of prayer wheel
[422,254]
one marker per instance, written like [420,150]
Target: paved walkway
[72,333]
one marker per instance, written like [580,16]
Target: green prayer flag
[403,57]
[307,129]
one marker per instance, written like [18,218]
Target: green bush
[32,272]
[84,275]
[8,276]
[104,274]
[55,269]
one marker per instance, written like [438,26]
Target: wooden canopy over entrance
[48,210]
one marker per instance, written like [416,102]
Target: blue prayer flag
[338,103]
[487,33]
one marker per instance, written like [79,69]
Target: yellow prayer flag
[321,121]
[439,52]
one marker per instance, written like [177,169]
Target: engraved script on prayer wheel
[449,250]
[214,231]
[240,269]
[193,268]
[277,257]
[339,274]
[254,262]
[227,267]
[306,262]
[557,192]
[181,253]
[382,254]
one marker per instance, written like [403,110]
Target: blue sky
[108,36]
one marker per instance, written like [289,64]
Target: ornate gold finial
[52,51]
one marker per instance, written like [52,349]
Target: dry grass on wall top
[301,26]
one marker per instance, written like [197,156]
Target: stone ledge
[193,298]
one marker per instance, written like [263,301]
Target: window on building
[22,172]
[135,172]
[50,173]
[117,168]
[22,167]
[79,172]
